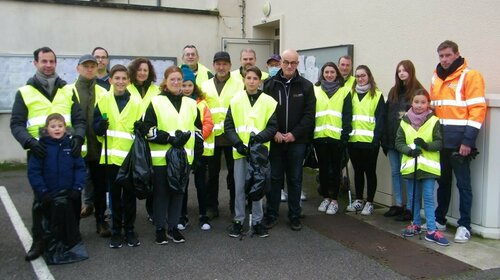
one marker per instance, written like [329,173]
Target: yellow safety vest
[153,90]
[248,118]
[39,107]
[329,113]
[209,143]
[170,120]
[237,75]
[363,117]
[121,126]
[219,104]
[428,161]
[99,93]
[201,75]
[349,82]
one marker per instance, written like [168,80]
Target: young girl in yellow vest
[114,118]
[364,142]
[419,140]
[250,110]
[200,162]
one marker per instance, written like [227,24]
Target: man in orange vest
[457,94]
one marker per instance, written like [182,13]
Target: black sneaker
[236,229]
[394,211]
[269,222]
[295,224]
[161,238]
[205,223]
[116,241]
[260,230]
[176,236]
[132,240]
[405,216]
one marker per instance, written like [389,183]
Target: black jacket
[394,112]
[296,105]
[19,115]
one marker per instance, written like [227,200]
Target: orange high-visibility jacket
[460,105]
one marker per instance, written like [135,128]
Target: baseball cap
[222,56]
[276,57]
[87,57]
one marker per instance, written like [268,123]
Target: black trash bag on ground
[177,169]
[258,176]
[136,172]
[311,159]
[60,224]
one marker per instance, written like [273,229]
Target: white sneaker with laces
[368,209]
[439,227]
[303,196]
[357,205]
[284,196]
[332,209]
[462,235]
[324,204]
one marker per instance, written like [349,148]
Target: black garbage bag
[311,159]
[258,176]
[177,169]
[61,231]
[136,172]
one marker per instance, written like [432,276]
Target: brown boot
[103,229]
[87,210]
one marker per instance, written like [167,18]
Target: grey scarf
[330,87]
[47,82]
[363,89]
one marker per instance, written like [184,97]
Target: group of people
[204,115]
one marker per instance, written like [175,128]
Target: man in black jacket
[43,94]
[295,114]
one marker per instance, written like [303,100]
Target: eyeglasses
[293,63]
[100,57]
[360,76]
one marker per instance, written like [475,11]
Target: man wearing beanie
[46,94]
[220,89]
[88,93]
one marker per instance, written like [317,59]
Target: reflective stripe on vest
[248,118]
[121,126]
[428,161]
[363,117]
[328,121]
[219,104]
[39,107]
[170,120]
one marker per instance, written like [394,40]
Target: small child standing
[419,139]
[57,181]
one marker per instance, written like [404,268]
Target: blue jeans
[397,181]
[427,185]
[461,168]
[286,159]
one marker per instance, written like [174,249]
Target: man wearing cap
[190,57]
[220,89]
[42,95]
[102,57]
[88,93]
[248,58]
[345,68]
[273,64]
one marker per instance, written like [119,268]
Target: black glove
[38,148]
[45,199]
[180,138]
[74,195]
[415,152]
[141,127]
[102,127]
[421,143]
[76,146]
[241,148]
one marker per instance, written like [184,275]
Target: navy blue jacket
[58,171]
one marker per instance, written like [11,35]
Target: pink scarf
[416,120]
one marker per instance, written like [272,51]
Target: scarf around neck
[363,89]
[330,87]
[47,82]
[416,120]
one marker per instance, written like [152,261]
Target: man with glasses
[190,57]
[295,113]
[102,57]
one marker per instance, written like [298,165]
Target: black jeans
[364,162]
[100,183]
[123,204]
[214,166]
[329,162]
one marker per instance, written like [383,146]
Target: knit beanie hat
[187,73]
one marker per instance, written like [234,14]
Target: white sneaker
[284,196]
[324,204]
[205,226]
[439,227]
[332,209]
[303,196]
[462,235]
[357,205]
[368,209]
